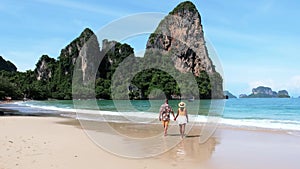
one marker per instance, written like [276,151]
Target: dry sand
[51,142]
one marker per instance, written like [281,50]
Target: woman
[182,118]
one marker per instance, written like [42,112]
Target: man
[164,115]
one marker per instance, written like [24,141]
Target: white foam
[144,117]
[265,124]
[46,107]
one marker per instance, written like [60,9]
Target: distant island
[266,92]
[229,95]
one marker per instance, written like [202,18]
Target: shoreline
[55,142]
[9,110]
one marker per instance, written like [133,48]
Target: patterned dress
[165,110]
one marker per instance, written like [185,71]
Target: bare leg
[183,130]
[180,129]
[165,124]
[166,130]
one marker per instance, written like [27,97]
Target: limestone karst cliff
[45,68]
[180,36]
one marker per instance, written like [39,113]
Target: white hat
[181,104]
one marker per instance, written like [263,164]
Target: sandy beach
[53,142]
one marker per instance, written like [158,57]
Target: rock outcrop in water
[266,92]
[180,36]
[229,95]
[263,92]
[283,94]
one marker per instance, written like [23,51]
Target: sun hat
[181,104]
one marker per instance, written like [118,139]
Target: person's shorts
[166,122]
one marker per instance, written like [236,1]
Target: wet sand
[53,142]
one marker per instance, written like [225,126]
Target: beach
[55,142]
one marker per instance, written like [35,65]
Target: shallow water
[269,113]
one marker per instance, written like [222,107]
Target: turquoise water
[201,107]
[271,108]
[270,113]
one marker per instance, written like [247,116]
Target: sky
[256,41]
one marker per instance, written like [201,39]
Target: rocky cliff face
[45,68]
[78,64]
[180,36]
[86,47]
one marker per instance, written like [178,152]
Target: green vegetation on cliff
[53,78]
[187,5]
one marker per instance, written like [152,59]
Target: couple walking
[181,116]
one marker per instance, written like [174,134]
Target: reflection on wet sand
[147,140]
[190,150]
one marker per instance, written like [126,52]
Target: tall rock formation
[86,47]
[113,53]
[45,68]
[180,36]
[59,73]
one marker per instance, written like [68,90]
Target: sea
[253,113]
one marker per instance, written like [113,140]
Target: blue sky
[256,41]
